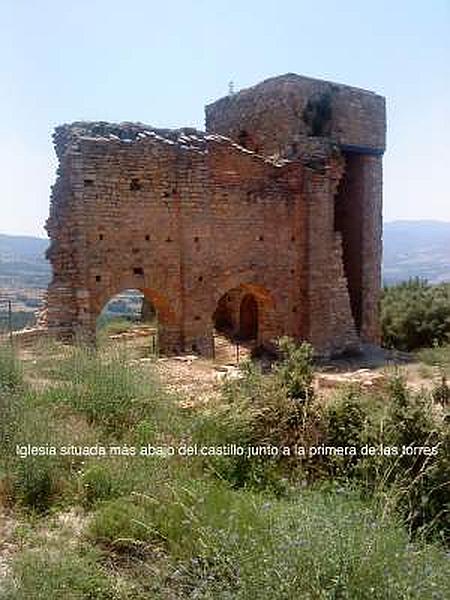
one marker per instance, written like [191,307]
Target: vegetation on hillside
[283,525]
[415,315]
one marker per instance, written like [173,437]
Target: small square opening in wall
[260,238]
[147,238]
[138,271]
[98,278]
[135,185]
[100,236]
[88,183]
[196,239]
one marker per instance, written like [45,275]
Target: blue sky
[161,62]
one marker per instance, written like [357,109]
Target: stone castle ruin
[268,224]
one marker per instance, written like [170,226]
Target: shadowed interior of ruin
[236,316]
[348,221]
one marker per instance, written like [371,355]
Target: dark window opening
[88,183]
[196,239]
[317,115]
[138,271]
[147,238]
[261,238]
[135,185]
[200,278]
[98,278]
[100,237]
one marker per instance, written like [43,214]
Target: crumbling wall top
[283,110]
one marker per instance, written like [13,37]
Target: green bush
[256,411]
[415,315]
[11,375]
[346,424]
[97,484]
[235,544]
[418,482]
[108,390]
[53,574]
[295,372]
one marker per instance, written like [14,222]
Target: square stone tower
[307,120]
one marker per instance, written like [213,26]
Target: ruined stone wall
[313,122]
[283,115]
[286,209]
[183,221]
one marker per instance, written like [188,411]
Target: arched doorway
[223,315]
[129,316]
[248,318]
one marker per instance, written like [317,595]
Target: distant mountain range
[411,249]
[22,262]
[416,249]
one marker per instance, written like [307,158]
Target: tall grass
[225,527]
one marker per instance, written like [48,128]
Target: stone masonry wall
[312,121]
[183,221]
[189,218]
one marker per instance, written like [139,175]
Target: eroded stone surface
[268,224]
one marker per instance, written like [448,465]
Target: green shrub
[235,544]
[295,372]
[97,484]
[11,376]
[409,418]
[438,356]
[53,574]
[415,315]
[37,480]
[107,389]
[345,425]
[256,412]
[35,484]
[441,391]
[418,483]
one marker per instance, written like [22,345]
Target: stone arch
[160,303]
[246,311]
[168,325]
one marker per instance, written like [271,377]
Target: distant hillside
[22,262]
[411,249]
[416,249]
